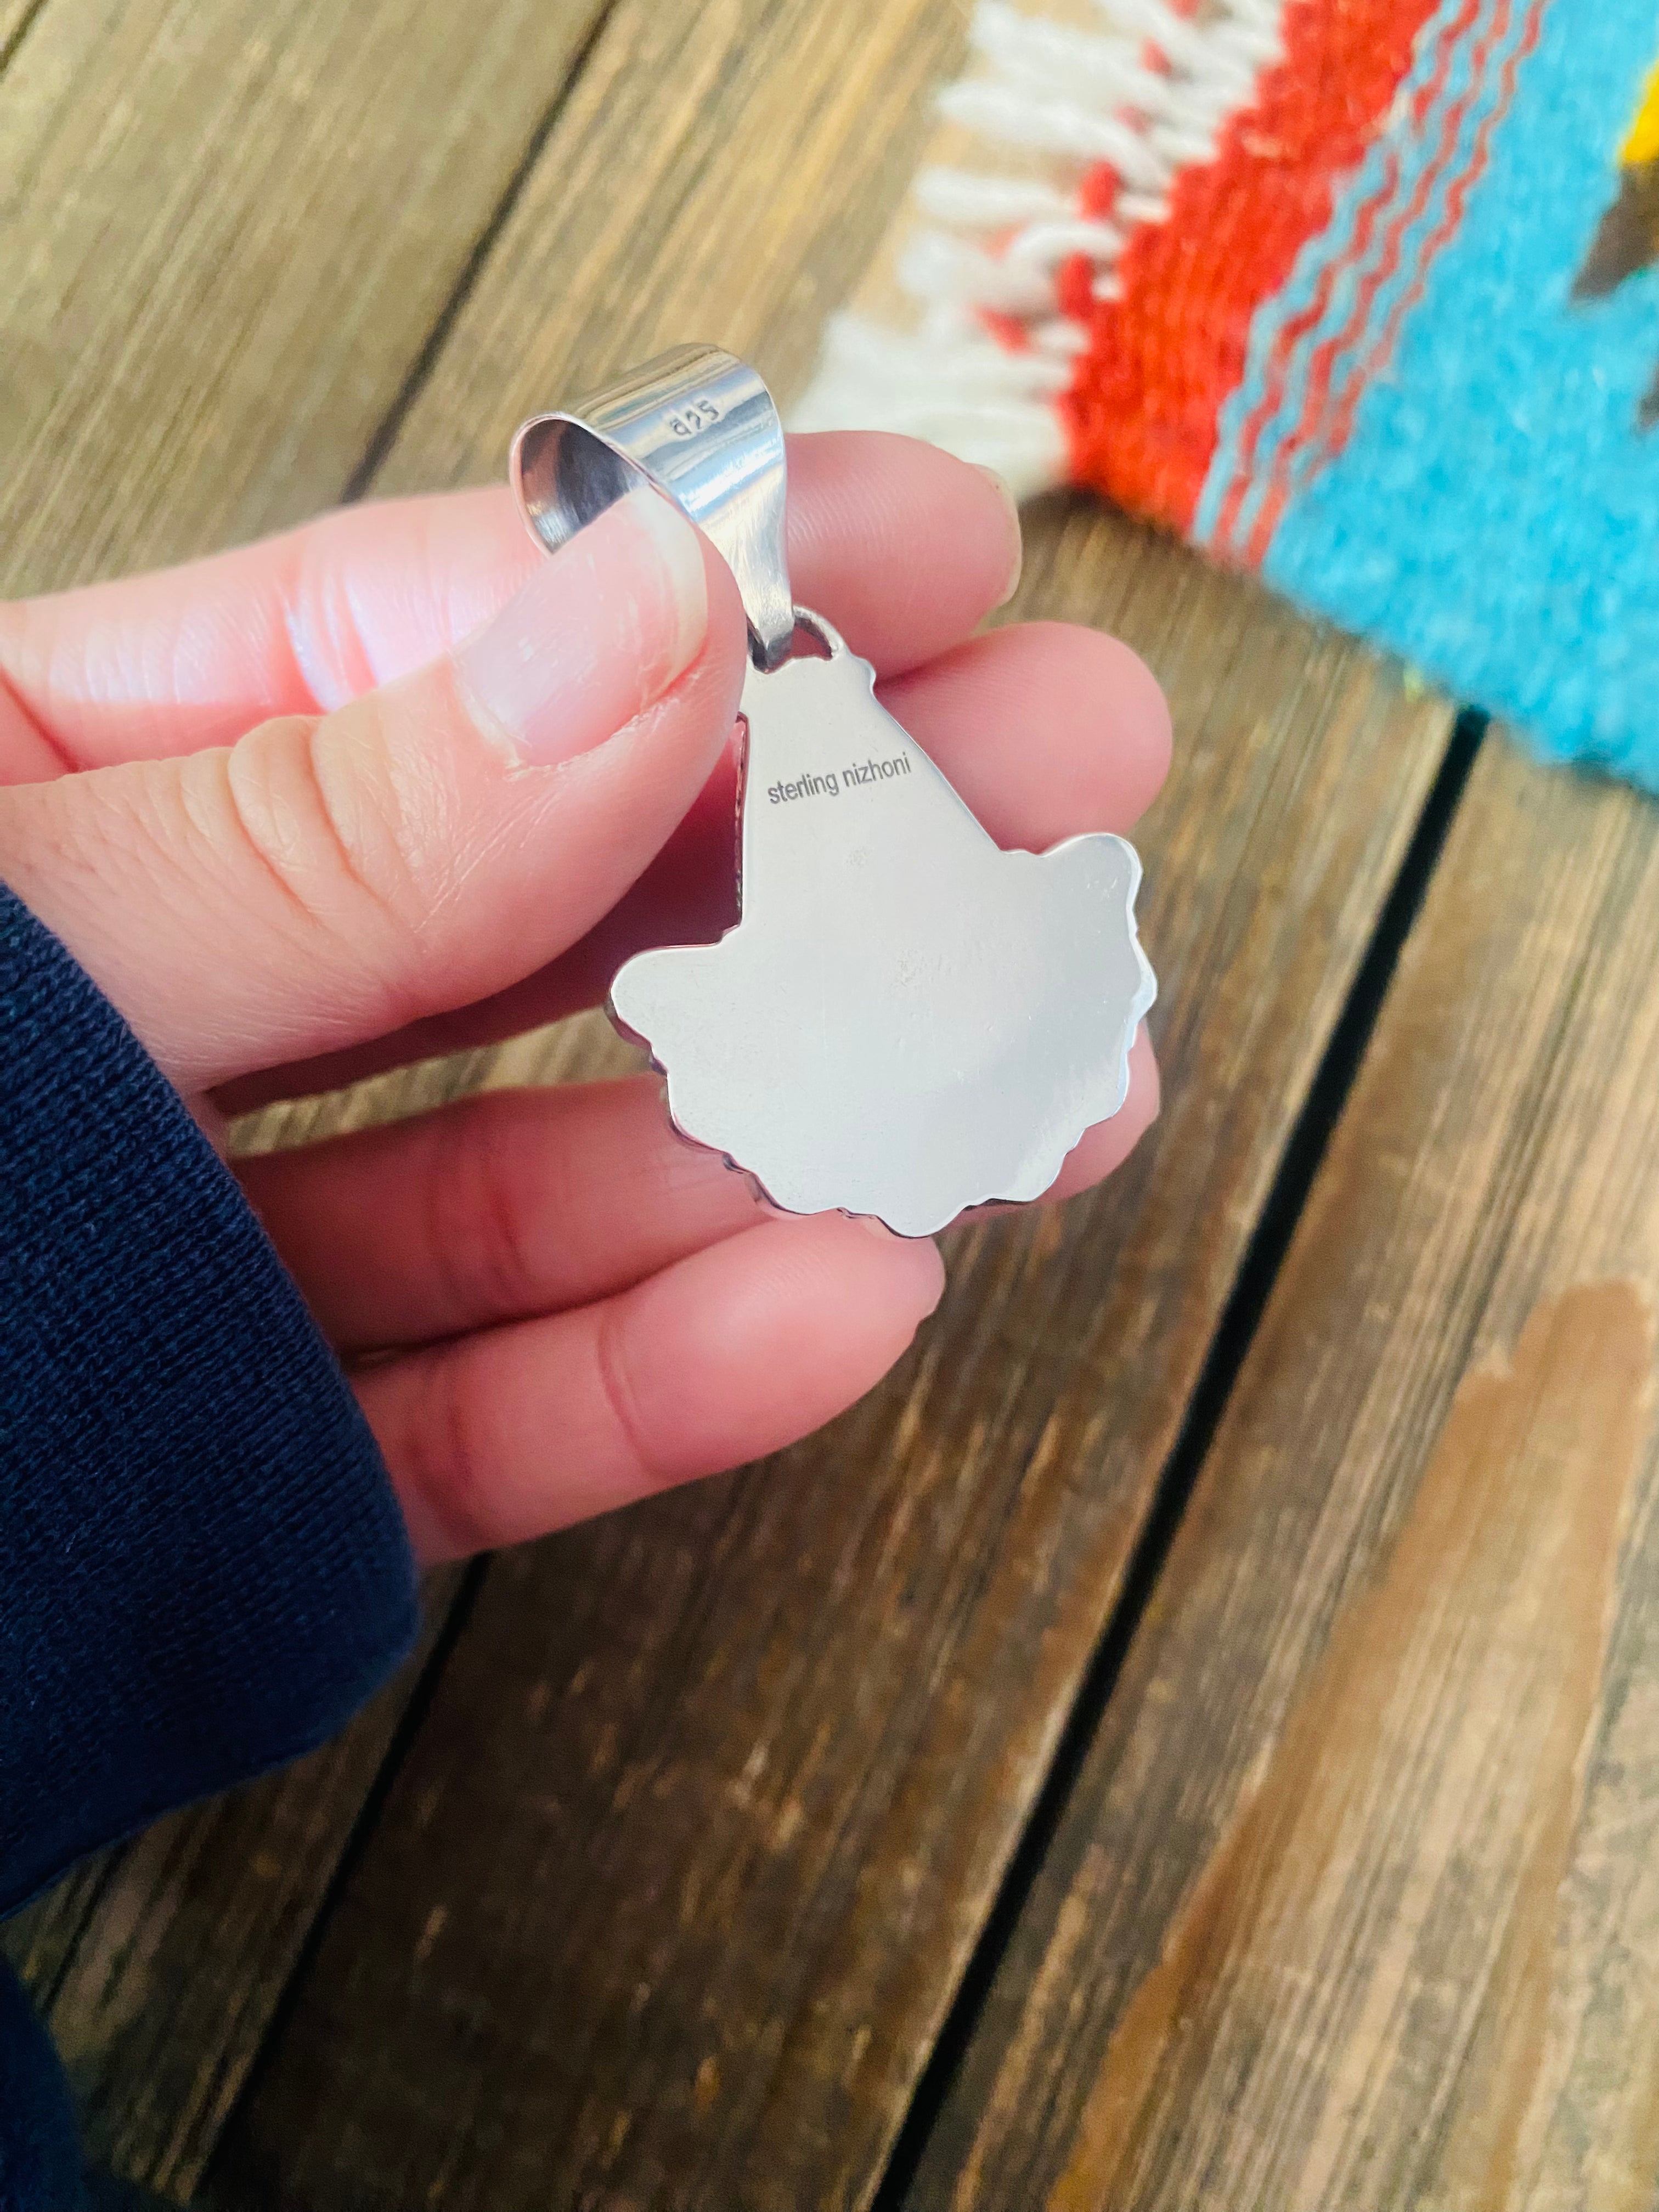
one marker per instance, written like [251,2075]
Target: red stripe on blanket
[1312,446]
[1381,208]
[1164,354]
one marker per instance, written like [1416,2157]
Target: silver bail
[700,425]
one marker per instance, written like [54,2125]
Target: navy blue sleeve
[203,1568]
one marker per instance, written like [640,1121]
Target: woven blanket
[1357,294]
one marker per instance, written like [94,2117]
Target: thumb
[331,878]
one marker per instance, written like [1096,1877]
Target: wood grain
[668,1898]
[723,171]
[1354,1900]
[228,231]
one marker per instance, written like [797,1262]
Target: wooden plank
[666,1902]
[724,171]
[1354,1901]
[228,234]
[228,230]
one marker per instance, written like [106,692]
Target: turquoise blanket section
[1494,516]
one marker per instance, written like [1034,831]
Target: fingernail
[1016,542]
[597,633]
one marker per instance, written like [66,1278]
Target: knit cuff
[203,1568]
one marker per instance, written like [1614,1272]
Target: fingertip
[1124,708]
[1142,1103]
[917,1263]
[1047,730]
[593,637]
[902,546]
[373,592]
[1142,723]
[755,1342]
[872,1288]
[1016,534]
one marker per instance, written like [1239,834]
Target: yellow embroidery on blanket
[1642,142]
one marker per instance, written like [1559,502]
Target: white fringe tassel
[1149,94]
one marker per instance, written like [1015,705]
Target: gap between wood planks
[386,431]
[1270,1240]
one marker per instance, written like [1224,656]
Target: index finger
[901,546]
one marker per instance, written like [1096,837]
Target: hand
[294,847]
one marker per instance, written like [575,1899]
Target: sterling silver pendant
[906,1021]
